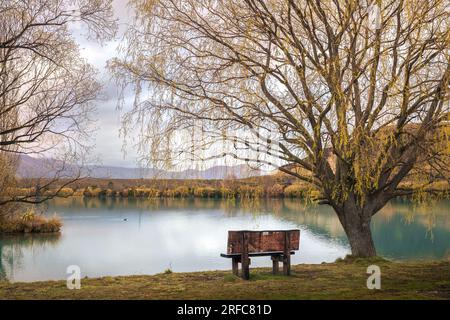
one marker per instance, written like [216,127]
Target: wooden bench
[279,244]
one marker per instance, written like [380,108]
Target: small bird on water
[126,219]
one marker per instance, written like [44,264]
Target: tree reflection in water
[11,247]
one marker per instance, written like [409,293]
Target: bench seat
[278,244]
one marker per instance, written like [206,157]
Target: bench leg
[235,266]
[287,264]
[245,263]
[245,260]
[275,264]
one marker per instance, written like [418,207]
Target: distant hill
[30,167]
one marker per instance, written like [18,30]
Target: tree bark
[356,224]
[360,239]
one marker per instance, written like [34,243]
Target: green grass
[341,280]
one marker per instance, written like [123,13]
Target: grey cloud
[108,144]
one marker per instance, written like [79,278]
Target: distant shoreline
[274,186]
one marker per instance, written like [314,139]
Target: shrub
[78,193]
[110,193]
[92,191]
[249,192]
[65,192]
[123,193]
[153,193]
[143,192]
[294,191]
[206,192]
[30,222]
[181,192]
[227,193]
[275,191]
[131,193]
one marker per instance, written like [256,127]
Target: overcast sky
[108,144]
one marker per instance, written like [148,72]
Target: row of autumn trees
[46,90]
[348,96]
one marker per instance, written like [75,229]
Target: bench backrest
[263,241]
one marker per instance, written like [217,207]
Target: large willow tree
[348,96]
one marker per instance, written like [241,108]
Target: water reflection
[134,236]
[12,250]
[404,231]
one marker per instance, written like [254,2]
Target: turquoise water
[124,237]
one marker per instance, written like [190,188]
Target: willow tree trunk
[356,224]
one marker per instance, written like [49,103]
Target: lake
[130,236]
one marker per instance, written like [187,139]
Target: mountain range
[31,167]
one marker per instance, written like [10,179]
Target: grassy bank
[342,280]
